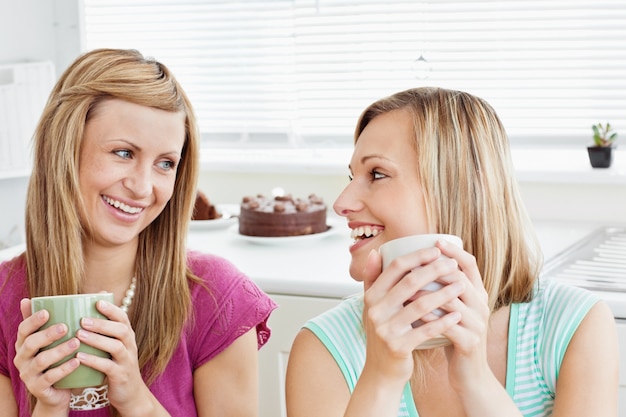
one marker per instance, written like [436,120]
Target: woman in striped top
[431,160]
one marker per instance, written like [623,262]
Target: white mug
[405,245]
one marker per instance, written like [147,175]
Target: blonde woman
[430,160]
[108,205]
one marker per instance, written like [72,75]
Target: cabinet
[12,208]
[287,320]
[24,89]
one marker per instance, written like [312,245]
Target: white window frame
[550,68]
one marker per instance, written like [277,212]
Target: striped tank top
[539,333]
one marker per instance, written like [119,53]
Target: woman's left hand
[467,356]
[115,336]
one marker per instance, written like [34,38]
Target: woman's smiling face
[128,162]
[384,199]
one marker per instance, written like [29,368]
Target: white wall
[35,30]
[596,203]
[32,30]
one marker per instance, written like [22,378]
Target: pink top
[234,305]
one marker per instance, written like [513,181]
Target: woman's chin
[356,271]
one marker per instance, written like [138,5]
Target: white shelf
[14,173]
[566,166]
[532,164]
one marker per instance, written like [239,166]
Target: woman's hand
[115,336]
[467,356]
[33,363]
[391,307]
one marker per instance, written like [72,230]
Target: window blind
[297,73]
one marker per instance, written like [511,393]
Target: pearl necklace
[128,296]
[93,398]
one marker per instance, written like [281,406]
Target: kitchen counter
[315,266]
[318,266]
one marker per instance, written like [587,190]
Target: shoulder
[221,278]
[12,289]
[13,278]
[341,331]
[346,315]
[331,346]
[566,334]
[557,300]
[553,315]
[14,266]
[208,266]
[555,312]
[592,355]
[219,275]
[541,331]
[226,303]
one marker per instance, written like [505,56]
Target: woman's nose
[139,181]
[347,201]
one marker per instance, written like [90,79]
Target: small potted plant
[601,153]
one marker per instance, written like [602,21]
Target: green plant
[603,135]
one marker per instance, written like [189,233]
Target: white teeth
[124,207]
[363,232]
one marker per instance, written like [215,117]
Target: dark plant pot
[600,156]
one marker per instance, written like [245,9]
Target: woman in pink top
[108,206]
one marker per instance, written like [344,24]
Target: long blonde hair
[466,172]
[54,232]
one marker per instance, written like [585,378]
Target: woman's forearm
[375,397]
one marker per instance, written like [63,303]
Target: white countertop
[318,267]
[312,267]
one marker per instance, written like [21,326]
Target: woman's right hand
[33,363]
[389,313]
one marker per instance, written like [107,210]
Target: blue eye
[167,165]
[124,153]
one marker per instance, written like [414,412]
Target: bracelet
[92,398]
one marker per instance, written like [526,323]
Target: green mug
[70,309]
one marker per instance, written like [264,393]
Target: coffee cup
[70,309]
[405,245]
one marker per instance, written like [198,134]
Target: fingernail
[87,322]
[103,305]
[60,328]
[73,343]
[81,334]
[371,254]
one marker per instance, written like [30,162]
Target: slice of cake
[203,209]
[282,216]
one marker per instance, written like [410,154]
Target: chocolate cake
[282,216]
[203,209]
